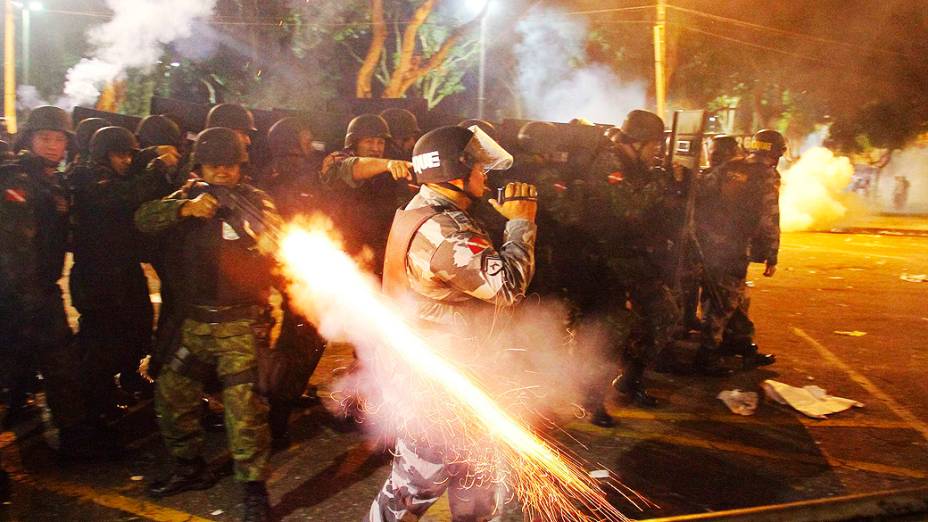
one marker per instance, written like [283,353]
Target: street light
[482,69]
[27,46]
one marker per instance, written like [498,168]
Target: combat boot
[188,475]
[630,383]
[632,388]
[751,358]
[257,505]
[709,362]
[600,417]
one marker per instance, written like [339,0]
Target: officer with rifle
[224,233]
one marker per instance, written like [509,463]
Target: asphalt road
[691,455]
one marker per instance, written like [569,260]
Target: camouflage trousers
[725,310]
[656,315]
[232,348]
[419,478]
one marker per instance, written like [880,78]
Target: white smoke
[814,191]
[28,98]
[556,81]
[133,39]
[912,164]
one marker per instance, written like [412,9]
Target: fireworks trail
[328,286]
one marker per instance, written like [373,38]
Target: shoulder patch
[15,195]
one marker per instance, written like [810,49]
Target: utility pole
[660,58]
[9,68]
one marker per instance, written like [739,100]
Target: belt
[224,314]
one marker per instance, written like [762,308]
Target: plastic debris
[216,513]
[914,278]
[136,478]
[599,474]
[851,333]
[739,402]
[812,401]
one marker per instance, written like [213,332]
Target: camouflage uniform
[738,221]
[631,218]
[453,272]
[224,286]
[34,331]
[361,209]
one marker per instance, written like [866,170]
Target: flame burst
[328,286]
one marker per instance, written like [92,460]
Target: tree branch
[440,55]
[379,35]
[408,50]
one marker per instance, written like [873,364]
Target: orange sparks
[328,286]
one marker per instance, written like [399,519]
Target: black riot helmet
[539,137]
[231,116]
[283,138]
[401,123]
[158,130]
[484,125]
[366,126]
[449,153]
[85,131]
[219,146]
[723,148]
[768,142]
[641,126]
[46,117]
[112,139]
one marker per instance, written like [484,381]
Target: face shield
[484,150]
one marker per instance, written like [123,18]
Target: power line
[764,47]
[760,27]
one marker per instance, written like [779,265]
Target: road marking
[914,422]
[751,451]
[107,499]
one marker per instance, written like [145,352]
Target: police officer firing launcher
[441,257]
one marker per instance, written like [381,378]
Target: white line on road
[866,383]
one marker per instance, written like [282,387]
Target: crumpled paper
[851,333]
[739,402]
[810,400]
[915,278]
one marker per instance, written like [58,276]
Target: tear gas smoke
[813,192]
[467,390]
[28,98]
[556,81]
[133,39]
[912,164]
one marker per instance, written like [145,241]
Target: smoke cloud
[133,39]
[556,81]
[912,165]
[813,193]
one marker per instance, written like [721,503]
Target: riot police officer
[235,117]
[631,218]
[224,234]
[293,182]
[82,136]
[34,328]
[107,284]
[738,223]
[366,188]
[404,131]
[457,272]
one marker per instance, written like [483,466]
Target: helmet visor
[484,150]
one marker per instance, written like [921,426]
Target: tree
[425,57]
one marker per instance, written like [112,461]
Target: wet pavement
[689,456]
